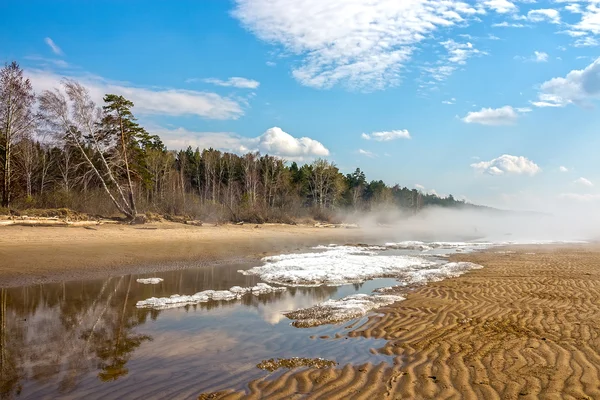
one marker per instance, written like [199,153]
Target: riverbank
[526,326]
[33,254]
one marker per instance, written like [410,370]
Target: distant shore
[525,326]
[30,255]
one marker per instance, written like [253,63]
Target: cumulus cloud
[53,46]
[584,182]
[540,56]
[273,141]
[174,102]
[501,6]
[507,164]
[562,168]
[492,116]
[578,87]
[362,44]
[386,136]
[236,81]
[544,15]
[419,187]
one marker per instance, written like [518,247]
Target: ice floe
[234,293]
[333,311]
[149,281]
[336,265]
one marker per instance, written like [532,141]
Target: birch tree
[17,120]
[75,118]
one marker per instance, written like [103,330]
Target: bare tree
[75,119]
[17,119]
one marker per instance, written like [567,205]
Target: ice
[355,306]
[441,271]
[149,281]
[337,265]
[234,293]
[334,311]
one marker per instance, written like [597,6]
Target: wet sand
[42,254]
[525,327]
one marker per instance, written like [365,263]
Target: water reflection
[87,338]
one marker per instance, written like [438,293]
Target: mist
[480,224]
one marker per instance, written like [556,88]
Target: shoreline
[34,255]
[524,326]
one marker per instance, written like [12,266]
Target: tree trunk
[131,199]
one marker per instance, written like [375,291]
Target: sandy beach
[524,327]
[42,254]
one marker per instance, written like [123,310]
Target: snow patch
[149,281]
[234,293]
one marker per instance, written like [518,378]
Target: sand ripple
[527,326]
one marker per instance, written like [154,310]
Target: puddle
[87,338]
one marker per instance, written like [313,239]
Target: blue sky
[492,100]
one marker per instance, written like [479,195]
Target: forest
[58,149]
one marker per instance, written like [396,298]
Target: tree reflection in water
[61,337]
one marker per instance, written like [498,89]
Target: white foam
[150,281]
[337,265]
[332,311]
[234,293]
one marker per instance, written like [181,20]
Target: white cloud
[55,49]
[386,136]
[236,81]
[562,168]
[507,164]
[540,56]
[544,14]
[364,44]
[523,109]
[492,116]
[590,18]
[587,41]
[578,87]
[451,101]
[274,141]
[175,102]
[507,25]
[419,187]
[457,54]
[583,181]
[271,64]
[501,6]
[366,153]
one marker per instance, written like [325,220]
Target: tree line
[58,149]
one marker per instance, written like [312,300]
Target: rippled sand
[526,326]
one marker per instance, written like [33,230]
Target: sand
[525,327]
[31,255]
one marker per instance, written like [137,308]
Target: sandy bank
[525,327]
[40,254]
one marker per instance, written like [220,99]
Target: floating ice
[149,281]
[337,265]
[333,311]
[234,293]
[439,272]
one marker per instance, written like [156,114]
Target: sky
[493,101]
